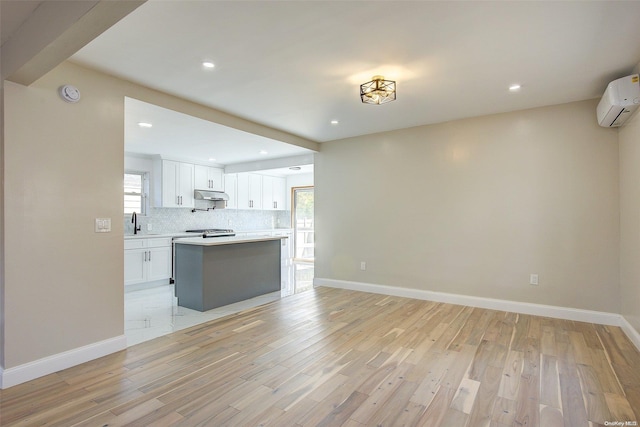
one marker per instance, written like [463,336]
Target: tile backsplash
[175,220]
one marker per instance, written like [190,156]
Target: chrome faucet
[134,220]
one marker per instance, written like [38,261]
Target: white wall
[474,206]
[629,137]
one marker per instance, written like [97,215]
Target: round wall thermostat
[69,93]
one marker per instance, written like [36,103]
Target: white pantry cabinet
[175,180]
[147,260]
[208,178]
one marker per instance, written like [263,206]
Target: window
[303,201]
[134,193]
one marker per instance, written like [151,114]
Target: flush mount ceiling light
[145,125]
[208,64]
[514,87]
[378,91]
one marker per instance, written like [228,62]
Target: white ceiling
[182,137]
[13,13]
[297,65]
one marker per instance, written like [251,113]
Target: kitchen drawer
[135,244]
[159,242]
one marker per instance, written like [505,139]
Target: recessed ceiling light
[211,159]
[263,152]
[208,64]
[334,122]
[295,168]
[145,125]
[515,87]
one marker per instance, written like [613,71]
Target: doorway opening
[302,200]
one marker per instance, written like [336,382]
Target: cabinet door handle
[145,256]
[149,256]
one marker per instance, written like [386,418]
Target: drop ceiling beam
[55,31]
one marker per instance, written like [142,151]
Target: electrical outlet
[533,279]
[363,265]
[149,227]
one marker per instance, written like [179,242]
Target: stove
[213,232]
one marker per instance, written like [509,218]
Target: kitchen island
[213,272]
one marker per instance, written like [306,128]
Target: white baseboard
[630,331]
[567,313]
[57,362]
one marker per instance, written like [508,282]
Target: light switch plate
[103,225]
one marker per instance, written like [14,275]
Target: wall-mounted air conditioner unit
[619,101]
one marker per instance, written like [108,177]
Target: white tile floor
[151,313]
[154,312]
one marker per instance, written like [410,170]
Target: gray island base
[214,272]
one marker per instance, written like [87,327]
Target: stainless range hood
[214,196]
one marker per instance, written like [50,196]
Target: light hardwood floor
[331,357]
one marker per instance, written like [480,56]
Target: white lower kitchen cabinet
[135,268]
[286,261]
[147,260]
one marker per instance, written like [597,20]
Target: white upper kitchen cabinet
[280,193]
[176,184]
[273,193]
[249,191]
[231,188]
[208,178]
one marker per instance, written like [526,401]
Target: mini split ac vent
[619,102]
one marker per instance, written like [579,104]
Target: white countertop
[215,241]
[156,236]
[183,234]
